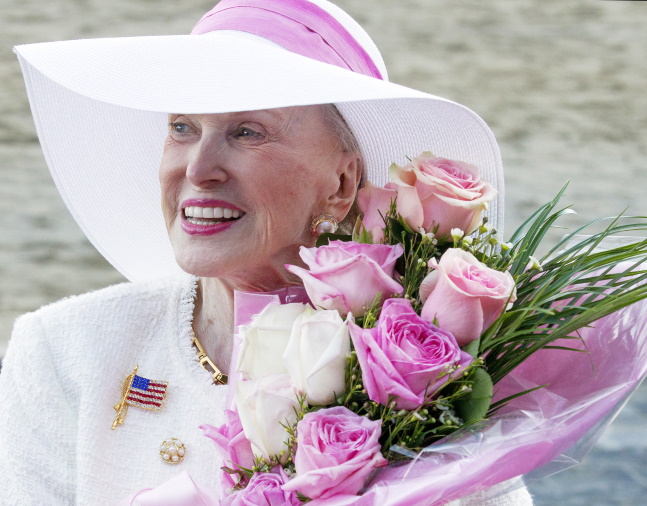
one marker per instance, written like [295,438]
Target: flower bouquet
[434,360]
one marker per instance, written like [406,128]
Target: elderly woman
[254,160]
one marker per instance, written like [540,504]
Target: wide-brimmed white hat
[100,108]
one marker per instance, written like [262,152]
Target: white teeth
[211,212]
[198,221]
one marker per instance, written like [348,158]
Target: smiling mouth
[211,215]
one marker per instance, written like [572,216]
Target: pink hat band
[299,26]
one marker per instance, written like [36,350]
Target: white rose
[265,339]
[263,406]
[315,356]
[309,345]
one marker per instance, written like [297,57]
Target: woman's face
[239,190]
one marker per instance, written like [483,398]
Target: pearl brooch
[172,450]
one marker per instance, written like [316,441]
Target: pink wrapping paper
[544,431]
[180,490]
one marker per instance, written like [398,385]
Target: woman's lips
[207,216]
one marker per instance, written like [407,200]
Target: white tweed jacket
[62,376]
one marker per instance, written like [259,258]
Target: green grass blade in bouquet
[571,288]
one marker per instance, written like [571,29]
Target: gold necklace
[207,364]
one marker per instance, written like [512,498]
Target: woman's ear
[349,175]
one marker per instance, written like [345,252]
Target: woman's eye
[179,128]
[246,132]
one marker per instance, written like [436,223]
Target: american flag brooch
[141,392]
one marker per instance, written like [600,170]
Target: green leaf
[476,404]
[472,348]
[397,229]
[324,239]
[364,237]
[360,234]
[405,226]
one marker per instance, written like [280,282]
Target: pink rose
[465,296]
[450,194]
[264,489]
[405,357]
[233,446]
[375,202]
[336,452]
[347,276]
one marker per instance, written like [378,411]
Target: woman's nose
[206,163]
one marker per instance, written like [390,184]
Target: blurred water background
[562,85]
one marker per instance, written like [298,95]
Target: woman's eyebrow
[274,113]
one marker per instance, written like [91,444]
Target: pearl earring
[324,224]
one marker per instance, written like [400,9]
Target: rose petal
[374,202]
[316,355]
[410,207]
[263,406]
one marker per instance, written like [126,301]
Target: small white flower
[456,233]
[467,240]
[427,236]
[449,418]
[506,246]
[533,264]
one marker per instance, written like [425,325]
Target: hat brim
[100,108]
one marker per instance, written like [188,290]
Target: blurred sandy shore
[562,85]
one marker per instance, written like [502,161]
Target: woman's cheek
[170,198]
